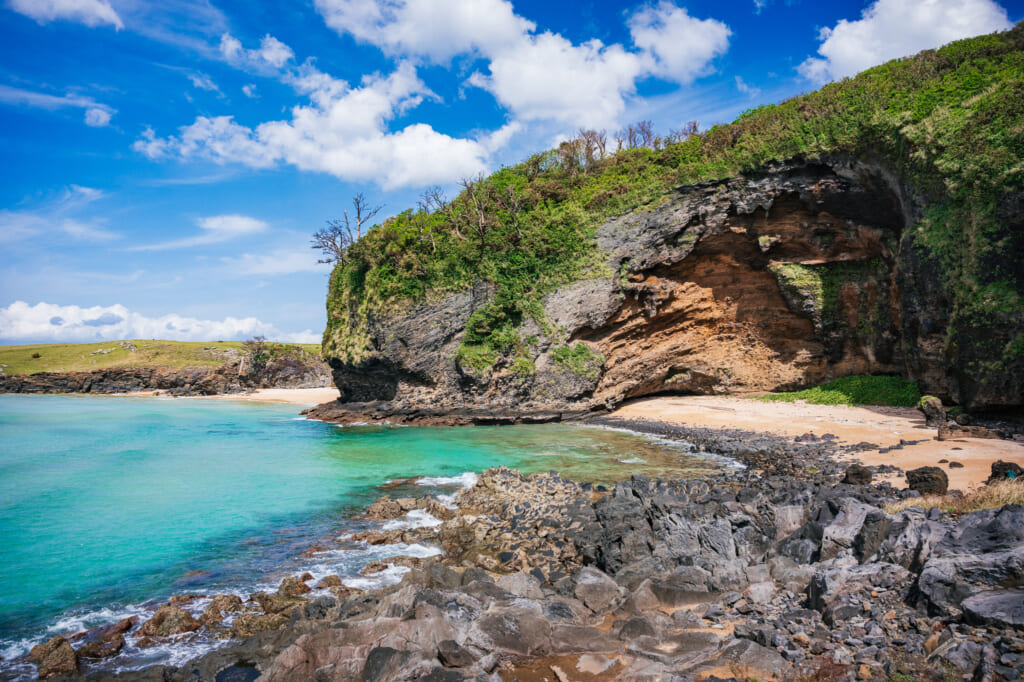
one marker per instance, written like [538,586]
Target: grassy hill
[81,357]
[948,122]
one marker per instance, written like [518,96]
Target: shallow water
[106,503]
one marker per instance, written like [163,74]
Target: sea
[111,505]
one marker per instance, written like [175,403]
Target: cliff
[875,226]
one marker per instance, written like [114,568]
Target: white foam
[417,518]
[466,480]
[632,460]
[392,575]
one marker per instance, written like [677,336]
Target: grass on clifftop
[948,122]
[83,357]
[855,390]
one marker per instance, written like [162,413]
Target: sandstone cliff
[875,226]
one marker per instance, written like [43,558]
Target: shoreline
[899,434]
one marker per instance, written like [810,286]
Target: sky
[165,162]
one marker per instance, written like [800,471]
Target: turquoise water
[106,503]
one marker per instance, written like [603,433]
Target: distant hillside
[182,368]
[941,136]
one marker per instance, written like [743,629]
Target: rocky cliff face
[774,280]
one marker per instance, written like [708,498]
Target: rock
[934,412]
[521,585]
[1002,471]
[275,603]
[857,474]
[761,593]
[829,584]
[516,630]
[637,627]
[55,657]
[248,624]
[928,480]
[384,509]
[753,660]
[1002,608]
[956,465]
[329,581]
[102,649]
[595,589]
[679,651]
[452,655]
[982,552]
[955,431]
[218,606]
[293,587]
[840,534]
[167,621]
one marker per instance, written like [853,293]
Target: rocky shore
[787,568]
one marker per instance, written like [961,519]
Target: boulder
[102,649]
[1002,608]
[830,583]
[934,412]
[928,480]
[1003,471]
[516,630]
[292,587]
[453,655]
[596,590]
[275,603]
[218,606]
[54,657]
[329,581]
[752,660]
[679,651]
[169,620]
[521,585]
[857,474]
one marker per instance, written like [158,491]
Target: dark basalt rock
[1002,471]
[857,474]
[928,480]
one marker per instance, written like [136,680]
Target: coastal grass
[82,357]
[992,496]
[890,391]
[947,122]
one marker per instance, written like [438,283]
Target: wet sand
[293,396]
[882,426]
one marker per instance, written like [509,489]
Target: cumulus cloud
[96,114]
[215,229]
[547,77]
[436,29]
[88,12]
[894,28]
[272,53]
[48,322]
[681,46]
[343,132]
[538,76]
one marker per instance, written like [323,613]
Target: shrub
[856,390]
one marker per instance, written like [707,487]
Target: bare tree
[334,240]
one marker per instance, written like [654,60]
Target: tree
[334,240]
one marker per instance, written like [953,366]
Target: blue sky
[166,161]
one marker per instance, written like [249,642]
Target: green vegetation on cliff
[948,122]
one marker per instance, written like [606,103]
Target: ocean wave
[417,518]
[466,479]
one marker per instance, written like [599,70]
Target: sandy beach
[882,426]
[293,396]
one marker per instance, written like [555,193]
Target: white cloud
[88,12]
[96,114]
[203,82]
[281,262]
[249,90]
[437,29]
[895,28]
[682,46]
[759,5]
[746,88]
[537,76]
[342,132]
[547,77]
[55,219]
[272,54]
[97,118]
[47,322]
[215,229]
